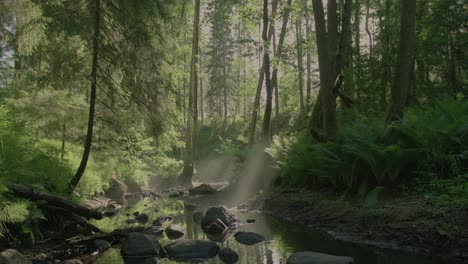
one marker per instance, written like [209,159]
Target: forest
[233,131]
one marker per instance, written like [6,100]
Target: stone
[185,250]
[251,221]
[223,214]
[160,221]
[248,238]
[228,256]
[135,214]
[317,258]
[142,218]
[101,245]
[215,227]
[138,244]
[141,260]
[116,190]
[175,231]
[130,221]
[108,214]
[198,217]
[202,189]
[11,256]
[71,261]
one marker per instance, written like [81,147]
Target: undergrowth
[426,152]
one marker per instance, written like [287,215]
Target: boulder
[228,256]
[248,238]
[141,260]
[137,244]
[109,214]
[317,258]
[117,189]
[221,213]
[130,221]
[11,256]
[198,217]
[185,250]
[101,245]
[71,261]
[142,218]
[160,221]
[133,187]
[251,221]
[175,231]
[202,189]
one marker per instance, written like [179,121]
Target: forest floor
[403,222]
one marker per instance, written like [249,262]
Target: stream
[281,238]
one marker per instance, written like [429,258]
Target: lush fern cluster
[429,143]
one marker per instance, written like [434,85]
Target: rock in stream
[317,258]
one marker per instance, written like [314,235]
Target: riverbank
[411,223]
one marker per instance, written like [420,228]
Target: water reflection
[281,238]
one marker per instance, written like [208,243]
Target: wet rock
[127,214]
[251,221]
[160,221]
[175,231]
[248,238]
[202,189]
[198,217]
[71,261]
[11,256]
[155,231]
[317,258]
[228,256]
[40,261]
[142,218]
[141,260]
[135,214]
[116,190]
[130,221]
[138,244]
[101,245]
[133,187]
[221,213]
[108,214]
[215,227]
[185,250]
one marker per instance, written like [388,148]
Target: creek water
[281,238]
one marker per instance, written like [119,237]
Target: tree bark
[266,59]
[253,123]
[92,100]
[309,57]
[192,121]
[324,113]
[279,51]
[300,66]
[403,65]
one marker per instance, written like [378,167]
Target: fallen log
[32,194]
[73,217]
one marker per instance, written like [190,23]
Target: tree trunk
[202,114]
[64,128]
[309,57]
[192,121]
[279,50]
[92,100]
[357,47]
[253,123]
[404,60]
[266,59]
[300,66]
[324,114]
[369,34]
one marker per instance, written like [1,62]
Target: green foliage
[428,140]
